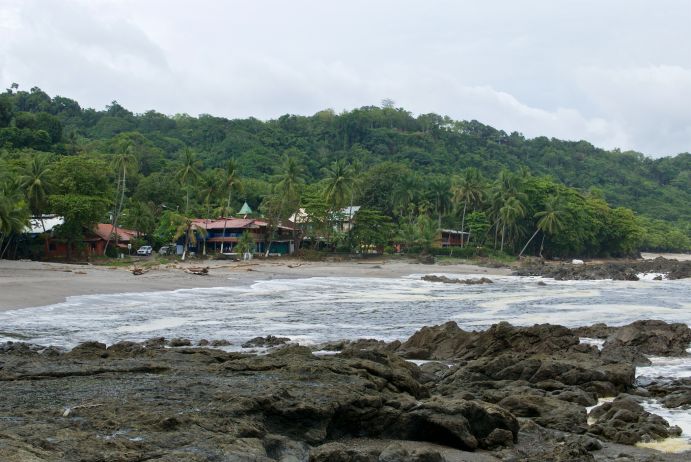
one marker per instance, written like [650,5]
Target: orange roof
[104,230]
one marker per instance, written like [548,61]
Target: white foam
[596,342]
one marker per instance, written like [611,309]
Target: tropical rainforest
[411,175]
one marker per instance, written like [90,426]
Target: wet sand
[26,283]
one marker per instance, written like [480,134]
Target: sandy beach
[28,283]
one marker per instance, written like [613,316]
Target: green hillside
[406,165]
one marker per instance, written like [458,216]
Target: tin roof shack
[453,237]
[222,235]
[93,242]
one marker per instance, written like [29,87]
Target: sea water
[314,310]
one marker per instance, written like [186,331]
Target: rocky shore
[661,267]
[508,393]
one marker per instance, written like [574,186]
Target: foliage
[457,174]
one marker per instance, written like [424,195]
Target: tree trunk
[527,243]
[503,231]
[542,244]
[463,225]
[184,248]
[225,222]
[118,210]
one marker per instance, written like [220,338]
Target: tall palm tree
[509,214]
[188,173]
[339,184]
[288,186]
[36,183]
[439,194]
[14,214]
[550,221]
[469,190]
[125,160]
[184,226]
[231,183]
[507,186]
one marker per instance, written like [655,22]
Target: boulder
[651,337]
[625,421]
[548,412]
[265,342]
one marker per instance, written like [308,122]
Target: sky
[616,73]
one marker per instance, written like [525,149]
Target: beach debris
[68,410]
[198,270]
[138,271]
[295,266]
[446,280]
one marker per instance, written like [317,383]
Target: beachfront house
[92,243]
[453,237]
[222,235]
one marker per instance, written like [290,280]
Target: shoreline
[27,284]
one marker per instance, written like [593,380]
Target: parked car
[145,250]
[165,250]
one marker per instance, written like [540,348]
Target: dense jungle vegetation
[412,175]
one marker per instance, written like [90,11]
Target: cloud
[613,73]
[651,104]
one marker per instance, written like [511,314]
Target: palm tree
[14,215]
[439,194]
[231,183]
[125,160]
[550,221]
[339,184]
[288,186]
[184,226]
[188,173]
[469,190]
[507,186]
[509,214]
[37,185]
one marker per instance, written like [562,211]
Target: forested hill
[421,147]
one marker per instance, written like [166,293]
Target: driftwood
[199,271]
[139,271]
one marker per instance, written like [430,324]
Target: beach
[26,284]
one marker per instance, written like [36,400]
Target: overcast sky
[616,73]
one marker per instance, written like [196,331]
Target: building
[453,237]
[222,234]
[93,242]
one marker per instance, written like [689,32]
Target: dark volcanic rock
[447,280]
[651,337]
[672,393]
[620,270]
[548,412]
[180,342]
[448,341]
[625,421]
[199,404]
[265,342]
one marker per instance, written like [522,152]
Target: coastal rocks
[447,280]
[214,404]
[180,342]
[548,412]
[672,393]
[621,271]
[625,421]
[437,342]
[265,342]
[448,341]
[651,337]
